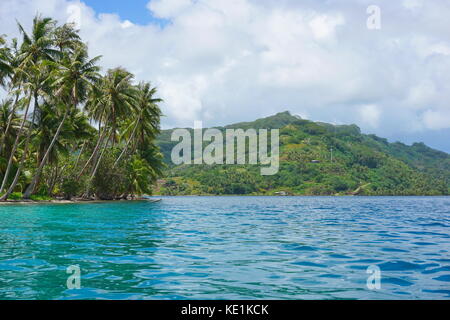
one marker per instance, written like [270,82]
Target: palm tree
[27,102]
[139,173]
[113,102]
[33,75]
[75,131]
[5,58]
[73,76]
[145,123]
[9,125]
[40,44]
[25,151]
[54,97]
[67,38]
[8,63]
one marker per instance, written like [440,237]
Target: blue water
[228,248]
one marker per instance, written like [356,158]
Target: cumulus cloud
[370,115]
[435,120]
[168,8]
[225,61]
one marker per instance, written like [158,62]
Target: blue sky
[133,10]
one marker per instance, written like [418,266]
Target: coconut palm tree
[9,125]
[113,102]
[35,49]
[146,118]
[27,102]
[5,59]
[25,151]
[73,76]
[67,38]
[39,45]
[55,96]
[139,173]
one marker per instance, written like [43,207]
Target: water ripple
[228,248]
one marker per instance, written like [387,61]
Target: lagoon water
[228,248]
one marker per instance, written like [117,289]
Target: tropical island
[316,159]
[68,131]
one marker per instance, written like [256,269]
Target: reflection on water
[228,248]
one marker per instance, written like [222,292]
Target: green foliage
[16,196]
[40,198]
[70,187]
[362,164]
[48,147]
[109,184]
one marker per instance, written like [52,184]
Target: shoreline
[79,201]
[302,196]
[21,202]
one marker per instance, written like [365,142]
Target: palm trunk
[101,156]
[94,171]
[79,156]
[127,144]
[8,126]
[94,153]
[59,177]
[16,144]
[19,169]
[38,173]
[52,181]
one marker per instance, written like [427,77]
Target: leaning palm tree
[27,102]
[5,59]
[35,49]
[145,120]
[9,125]
[73,76]
[9,69]
[25,151]
[113,102]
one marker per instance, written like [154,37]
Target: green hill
[317,159]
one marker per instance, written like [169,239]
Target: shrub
[16,196]
[70,187]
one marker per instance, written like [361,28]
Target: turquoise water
[228,248]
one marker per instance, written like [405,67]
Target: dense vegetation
[318,159]
[68,131]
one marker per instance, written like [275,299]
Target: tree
[35,49]
[115,99]
[9,126]
[55,97]
[146,121]
[73,76]
[5,59]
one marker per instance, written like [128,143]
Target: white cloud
[412,4]
[227,61]
[324,26]
[436,120]
[168,8]
[422,95]
[370,115]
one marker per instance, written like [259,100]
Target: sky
[229,61]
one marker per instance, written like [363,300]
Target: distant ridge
[361,162]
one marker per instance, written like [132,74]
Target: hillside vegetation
[317,159]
